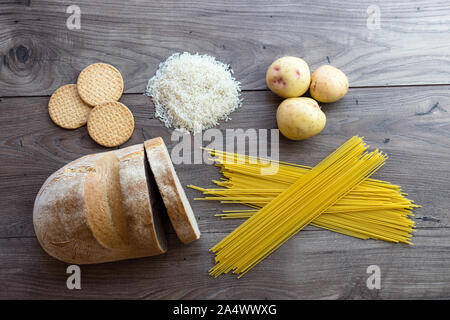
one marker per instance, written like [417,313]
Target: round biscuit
[110,124]
[100,83]
[67,109]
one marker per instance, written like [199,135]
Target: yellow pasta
[335,195]
[372,210]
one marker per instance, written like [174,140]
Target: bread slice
[103,201]
[178,208]
[141,201]
[84,212]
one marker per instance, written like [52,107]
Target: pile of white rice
[193,92]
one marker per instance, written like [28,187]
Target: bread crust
[59,215]
[178,208]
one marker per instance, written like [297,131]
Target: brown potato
[300,118]
[288,77]
[328,84]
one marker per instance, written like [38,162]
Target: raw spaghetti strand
[295,207]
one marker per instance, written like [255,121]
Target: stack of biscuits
[94,100]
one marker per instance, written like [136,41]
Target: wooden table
[399,100]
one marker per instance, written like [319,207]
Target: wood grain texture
[412,124]
[314,264]
[38,53]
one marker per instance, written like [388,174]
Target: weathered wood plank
[38,53]
[313,265]
[412,126]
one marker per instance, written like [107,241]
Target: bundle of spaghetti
[372,210]
[295,207]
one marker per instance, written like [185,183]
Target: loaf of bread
[178,207]
[99,208]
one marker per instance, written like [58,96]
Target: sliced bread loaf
[85,212]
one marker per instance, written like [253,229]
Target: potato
[288,77]
[300,118]
[328,84]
